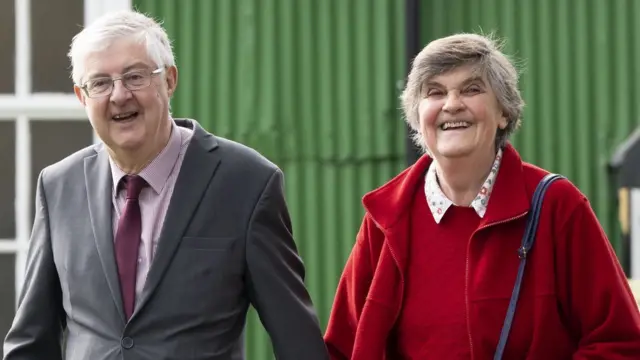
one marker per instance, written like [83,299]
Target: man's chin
[127,144]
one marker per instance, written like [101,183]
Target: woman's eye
[474,89]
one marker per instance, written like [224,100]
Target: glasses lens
[100,86]
[136,80]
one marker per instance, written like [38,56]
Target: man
[153,244]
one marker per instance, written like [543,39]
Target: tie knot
[133,184]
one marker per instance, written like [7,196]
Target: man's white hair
[117,25]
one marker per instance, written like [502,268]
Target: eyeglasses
[133,80]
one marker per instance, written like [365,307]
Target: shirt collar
[159,169]
[439,203]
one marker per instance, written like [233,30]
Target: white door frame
[24,105]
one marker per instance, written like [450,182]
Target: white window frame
[22,106]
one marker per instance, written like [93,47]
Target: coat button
[127,342]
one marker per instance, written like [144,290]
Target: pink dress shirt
[161,175]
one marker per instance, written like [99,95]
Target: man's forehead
[118,57]
[96,68]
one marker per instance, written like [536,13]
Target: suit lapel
[198,167]
[99,191]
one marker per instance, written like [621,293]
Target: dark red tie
[128,242]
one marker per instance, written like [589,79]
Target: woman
[435,261]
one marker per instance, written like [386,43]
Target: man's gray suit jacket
[226,243]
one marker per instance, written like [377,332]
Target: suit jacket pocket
[207,243]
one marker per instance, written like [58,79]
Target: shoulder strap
[527,242]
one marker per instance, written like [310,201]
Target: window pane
[53,25]
[7,46]
[7,292]
[7,179]
[53,140]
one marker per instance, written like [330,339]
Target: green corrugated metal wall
[580,80]
[312,85]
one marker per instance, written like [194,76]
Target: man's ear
[172,79]
[80,95]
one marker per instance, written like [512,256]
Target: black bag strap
[527,242]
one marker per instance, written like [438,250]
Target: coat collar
[392,202]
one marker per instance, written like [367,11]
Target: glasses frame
[114,79]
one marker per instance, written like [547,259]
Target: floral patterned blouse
[438,201]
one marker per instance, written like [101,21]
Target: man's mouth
[125,116]
[454,125]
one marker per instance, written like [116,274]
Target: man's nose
[120,92]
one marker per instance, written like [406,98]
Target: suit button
[127,343]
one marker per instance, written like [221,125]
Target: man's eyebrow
[97,75]
[137,65]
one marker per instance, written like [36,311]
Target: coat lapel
[99,185]
[198,167]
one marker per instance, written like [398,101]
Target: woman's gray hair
[484,54]
[102,32]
